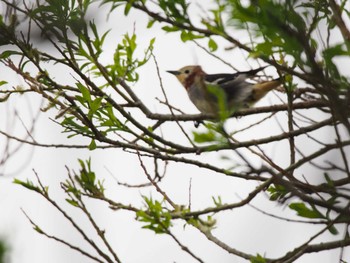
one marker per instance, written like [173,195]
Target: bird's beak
[174,72]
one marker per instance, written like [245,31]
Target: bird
[228,92]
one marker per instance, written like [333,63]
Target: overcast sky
[245,229]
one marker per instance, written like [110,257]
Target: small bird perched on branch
[214,93]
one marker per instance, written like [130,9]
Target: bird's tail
[262,88]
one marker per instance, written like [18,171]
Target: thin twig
[166,197]
[76,248]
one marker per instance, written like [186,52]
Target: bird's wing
[222,79]
[219,79]
[236,88]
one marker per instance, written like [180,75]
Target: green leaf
[125,63]
[277,192]
[95,104]
[265,48]
[8,53]
[5,97]
[28,184]
[92,145]
[157,218]
[84,91]
[332,52]
[212,45]
[303,211]
[203,137]
[87,179]
[128,6]
[151,43]
[258,259]
[73,127]
[333,230]
[221,100]
[188,35]
[3,249]
[38,229]
[170,28]
[72,202]
[151,23]
[330,182]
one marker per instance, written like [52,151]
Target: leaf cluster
[156,217]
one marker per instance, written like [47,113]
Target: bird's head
[188,74]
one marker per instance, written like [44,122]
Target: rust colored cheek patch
[189,81]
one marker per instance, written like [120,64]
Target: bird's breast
[203,100]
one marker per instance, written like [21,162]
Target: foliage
[155,216]
[3,251]
[98,102]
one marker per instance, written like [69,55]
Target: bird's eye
[187,71]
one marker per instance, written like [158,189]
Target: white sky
[245,229]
